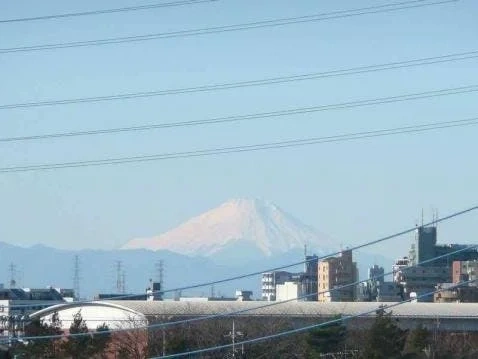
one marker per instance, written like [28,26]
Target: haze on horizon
[353,191]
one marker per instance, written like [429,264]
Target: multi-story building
[428,264]
[464,271]
[269,282]
[306,281]
[422,280]
[426,248]
[16,303]
[335,276]
[377,289]
[288,291]
[450,293]
[376,274]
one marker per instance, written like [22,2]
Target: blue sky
[355,191]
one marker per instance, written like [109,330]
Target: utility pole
[233,334]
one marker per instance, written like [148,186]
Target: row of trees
[86,345]
[383,339]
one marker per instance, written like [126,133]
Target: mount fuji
[253,228]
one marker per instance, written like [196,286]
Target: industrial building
[453,316]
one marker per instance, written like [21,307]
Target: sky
[354,191]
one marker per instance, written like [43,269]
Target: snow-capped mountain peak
[252,222]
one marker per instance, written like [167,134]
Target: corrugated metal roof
[298,309]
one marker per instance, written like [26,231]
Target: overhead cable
[250,83]
[246,148]
[163,325]
[287,266]
[380,306]
[236,27]
[250,117]
[105,11]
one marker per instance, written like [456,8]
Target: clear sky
[354,191]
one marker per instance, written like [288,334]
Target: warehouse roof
[298,309]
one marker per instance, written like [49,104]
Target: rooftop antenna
[76,277]
[422,218]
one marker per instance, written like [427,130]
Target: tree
[41,348]
[100,341]
[419,340]
[326,339]
[84,344]
[385,339]
[132,342]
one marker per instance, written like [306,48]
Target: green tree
[77,345]
[385,339]
[41,348]
[326,339]
[100,341]
[419,339]
[83,344]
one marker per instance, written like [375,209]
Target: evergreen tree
[85,344]
[418,341]
[385,338]
[41,348]
[77,345]
[100,341]
[326,339]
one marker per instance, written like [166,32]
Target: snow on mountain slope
[252,222]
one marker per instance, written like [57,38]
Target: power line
[162,325]
[246,148]
[235,27]
[105,11]
[260,82]
[282,267]
[253,116]
[235,312]
[241,311]
[309,327]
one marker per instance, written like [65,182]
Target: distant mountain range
[240,236]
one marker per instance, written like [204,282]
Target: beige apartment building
[334,276]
